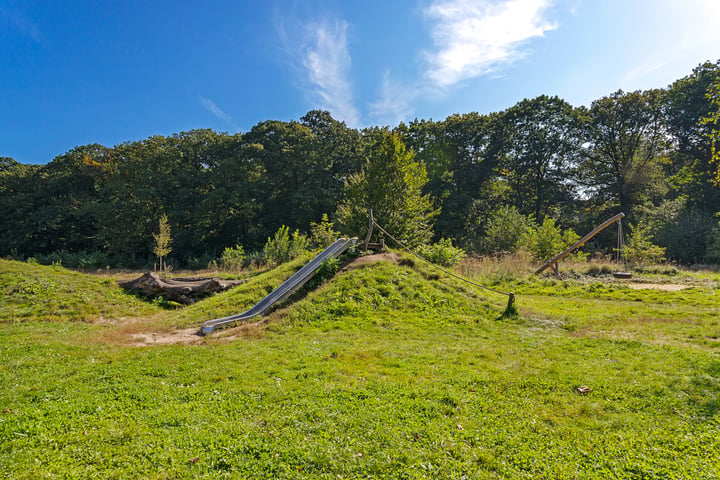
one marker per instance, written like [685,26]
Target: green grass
[382,372]
[31,292]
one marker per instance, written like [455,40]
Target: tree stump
[180,290]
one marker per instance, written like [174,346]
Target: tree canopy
[655,155]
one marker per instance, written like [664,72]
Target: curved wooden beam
[580,242]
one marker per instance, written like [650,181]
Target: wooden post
[369,232]
[511,300]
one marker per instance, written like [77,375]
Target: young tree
[391,184]
[163,241]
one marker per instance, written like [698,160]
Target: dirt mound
[367,259]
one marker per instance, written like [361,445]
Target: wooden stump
[181,290]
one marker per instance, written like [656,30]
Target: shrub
[442,253]
[639,249]
[322,234]
[233,258]
[327,269]
[283,247]
[82,259]
[504,230]
[547,240]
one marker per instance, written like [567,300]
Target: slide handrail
[287,288]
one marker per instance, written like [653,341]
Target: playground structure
[287,288]
[302,276]
[555,261]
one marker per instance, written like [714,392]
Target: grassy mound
[387,371]
[36,292]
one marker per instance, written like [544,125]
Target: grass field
[385,371]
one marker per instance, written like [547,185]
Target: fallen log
[180,290]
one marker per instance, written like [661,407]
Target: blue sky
[110,71]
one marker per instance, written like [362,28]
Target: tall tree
[19,188]
[391,184]
[685,104]
[461,162]
[542,142]
[712,121]
[625,146]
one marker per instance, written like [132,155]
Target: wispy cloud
[210,106]
[326,62]
[476,37]
[395,101]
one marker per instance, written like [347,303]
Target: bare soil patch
[186,337]
[668,287]
[367,259]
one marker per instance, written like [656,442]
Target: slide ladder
[288,287]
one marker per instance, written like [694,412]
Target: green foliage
[713,250]
[322,234]
[163,241]
[82,260]
[712,123]
[648,151]
[547,240]
[391,184]
[327,269]
[233,258]
[639,249]
[623,164]
[541,145]
[504,230]
[283,247]
[442,253]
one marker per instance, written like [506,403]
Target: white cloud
[475,37]
[215,110]
[326,62]
[395,102]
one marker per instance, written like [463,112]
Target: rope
[621,255]
[511,295]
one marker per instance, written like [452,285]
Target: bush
[504,230]
[547,240]
[442,253]
[233,258]
[82,259]
[639,249]
[322,234]
[283,247]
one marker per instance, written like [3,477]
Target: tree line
[471,178]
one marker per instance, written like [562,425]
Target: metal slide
[288,287]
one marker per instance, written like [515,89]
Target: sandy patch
[185,337]
[668,287]
[367,259]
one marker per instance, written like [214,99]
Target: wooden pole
[579,243]
[369,232]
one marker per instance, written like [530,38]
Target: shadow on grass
[707,391]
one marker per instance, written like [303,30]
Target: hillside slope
[36,292]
